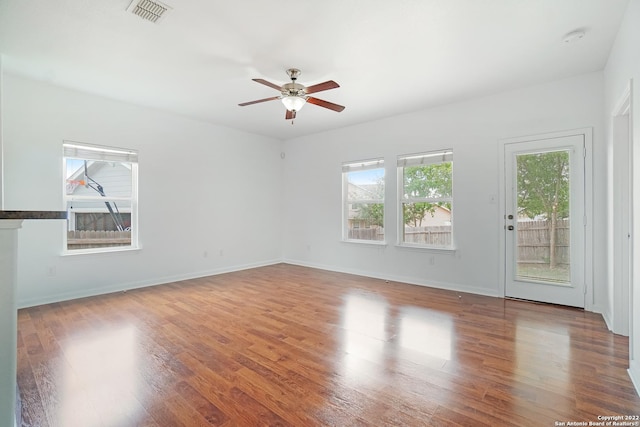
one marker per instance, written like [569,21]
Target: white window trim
[83,151]
[427,248]
[366,242]
[89,251]
[432,157]
[359,165]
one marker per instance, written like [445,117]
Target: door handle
[510,228]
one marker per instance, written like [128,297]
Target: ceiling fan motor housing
[293,89]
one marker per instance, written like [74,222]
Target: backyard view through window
[363,194]
[426,199]
[100,197]
[543,217]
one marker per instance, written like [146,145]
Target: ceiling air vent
[147,9]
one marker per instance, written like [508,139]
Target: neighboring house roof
[365,191]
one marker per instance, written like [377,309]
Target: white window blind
[426,158]
[96,152]
[362,165]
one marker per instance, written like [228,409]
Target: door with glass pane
[545,226]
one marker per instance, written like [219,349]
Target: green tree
[543,189]
[414,213]
[373,213]
[426,181]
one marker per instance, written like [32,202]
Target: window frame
[416,159]
[92,152]
[357,166]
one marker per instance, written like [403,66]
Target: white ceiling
[390,57]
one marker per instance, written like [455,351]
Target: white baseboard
[634,374]
[402,279]
[605,315]
[120,287]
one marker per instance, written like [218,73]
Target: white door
[545,220]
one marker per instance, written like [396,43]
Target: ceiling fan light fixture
[293,102]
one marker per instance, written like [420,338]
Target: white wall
[1,134]
[623,65]
[202,188]
[312,225]
[229,196]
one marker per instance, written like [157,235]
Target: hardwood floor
[286,345]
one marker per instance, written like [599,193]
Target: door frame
[587,133]
[621,217]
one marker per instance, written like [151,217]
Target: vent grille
[147,9]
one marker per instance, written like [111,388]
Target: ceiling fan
[294,95]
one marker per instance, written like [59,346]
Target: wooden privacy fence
[97,239]
[533,239]
[376,233]
[437,235]
[434,235]
[533,242]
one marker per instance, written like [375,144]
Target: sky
[73,165]
[370,176]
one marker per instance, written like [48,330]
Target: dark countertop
[33,215]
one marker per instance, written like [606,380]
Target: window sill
[366,242]
[113,250]
[445,249]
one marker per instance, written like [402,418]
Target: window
[363,200]
[101,197]
[426,199]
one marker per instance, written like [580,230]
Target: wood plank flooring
[291,346]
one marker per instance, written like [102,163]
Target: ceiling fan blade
[322,86]
[290,115]
[258,101]
[325,104]
[266,83]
